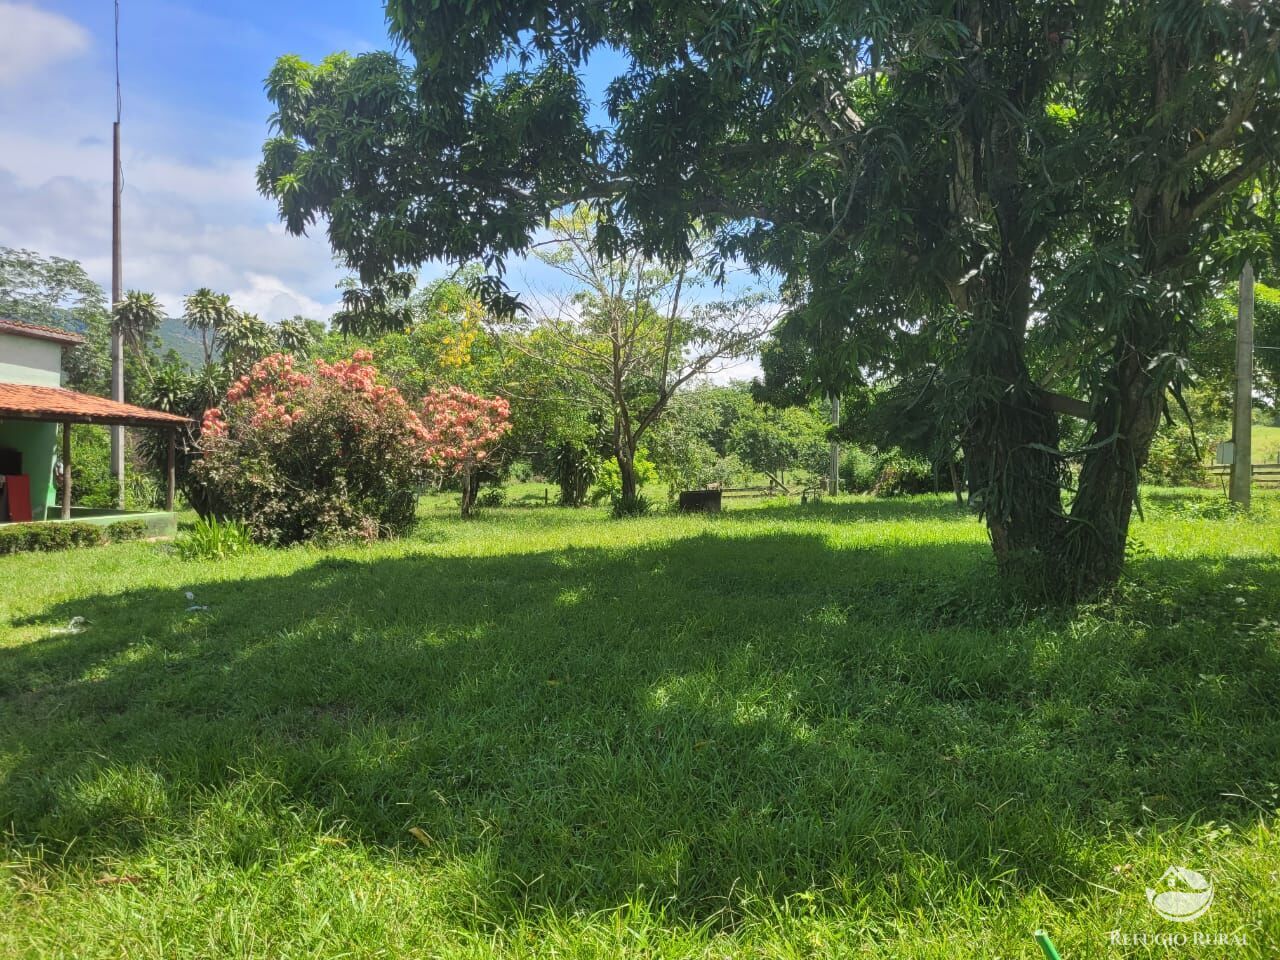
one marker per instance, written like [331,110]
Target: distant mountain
[172,333]
[175,335]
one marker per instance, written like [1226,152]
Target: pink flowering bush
[461,430]
[322,451]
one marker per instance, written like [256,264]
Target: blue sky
[194,121]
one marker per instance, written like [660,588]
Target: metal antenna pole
[117,283]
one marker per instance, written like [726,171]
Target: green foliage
[212,539]
[136,317]
[691,446]
[608,478]
[574,467]
[91,481]
[1266,335]
[859,469]
[1177,459]
[123,531]
[60,535]
[208,314]
[889,474]
[442,339]
[628,339]
[492,497]
[774,441]
[902,474]
[59,293]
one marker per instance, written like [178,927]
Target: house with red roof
[37,415]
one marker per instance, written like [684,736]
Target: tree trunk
[627,473]
[1010,438]
[833,482]
[470,486]
[1011,449]
[956,486]
[1094,548]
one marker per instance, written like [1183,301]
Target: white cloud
[272,299]
[171,245]
[32,40]
[34,159]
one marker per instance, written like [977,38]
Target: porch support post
[168,497]
[66,471]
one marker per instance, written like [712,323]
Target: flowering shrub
[325,451]
[461,430]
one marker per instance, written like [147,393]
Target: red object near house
[17,494]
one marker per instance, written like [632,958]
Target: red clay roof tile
[40,332]
[21,401]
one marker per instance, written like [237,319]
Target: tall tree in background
[628,333]
[58,293]
[245,340]
[136,317]
[1038,192]
[208,314]
[299,335]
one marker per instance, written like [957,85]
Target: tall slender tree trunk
[833,482]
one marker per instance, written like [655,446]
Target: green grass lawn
[784,732]
[1266,444]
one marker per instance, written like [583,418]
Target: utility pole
[1242,429]
[833,486]
[117,283]
[117,338]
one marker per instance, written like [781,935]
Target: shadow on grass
[676,722]
[926,508]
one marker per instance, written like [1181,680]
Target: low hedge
[28,537]
[123,530]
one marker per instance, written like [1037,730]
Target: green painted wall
[38,443]
[24,360]
[37,362]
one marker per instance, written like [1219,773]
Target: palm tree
[136,317]
[209,313]
[245,340]
[294,337]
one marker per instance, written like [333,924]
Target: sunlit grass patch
[786,731]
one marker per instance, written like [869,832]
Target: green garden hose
[1050,951]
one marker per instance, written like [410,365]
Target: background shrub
[889,474]
[327,453]
[859,469]
[608,485]
[1175,461]
[621,507]
[901,474]
[493,497]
